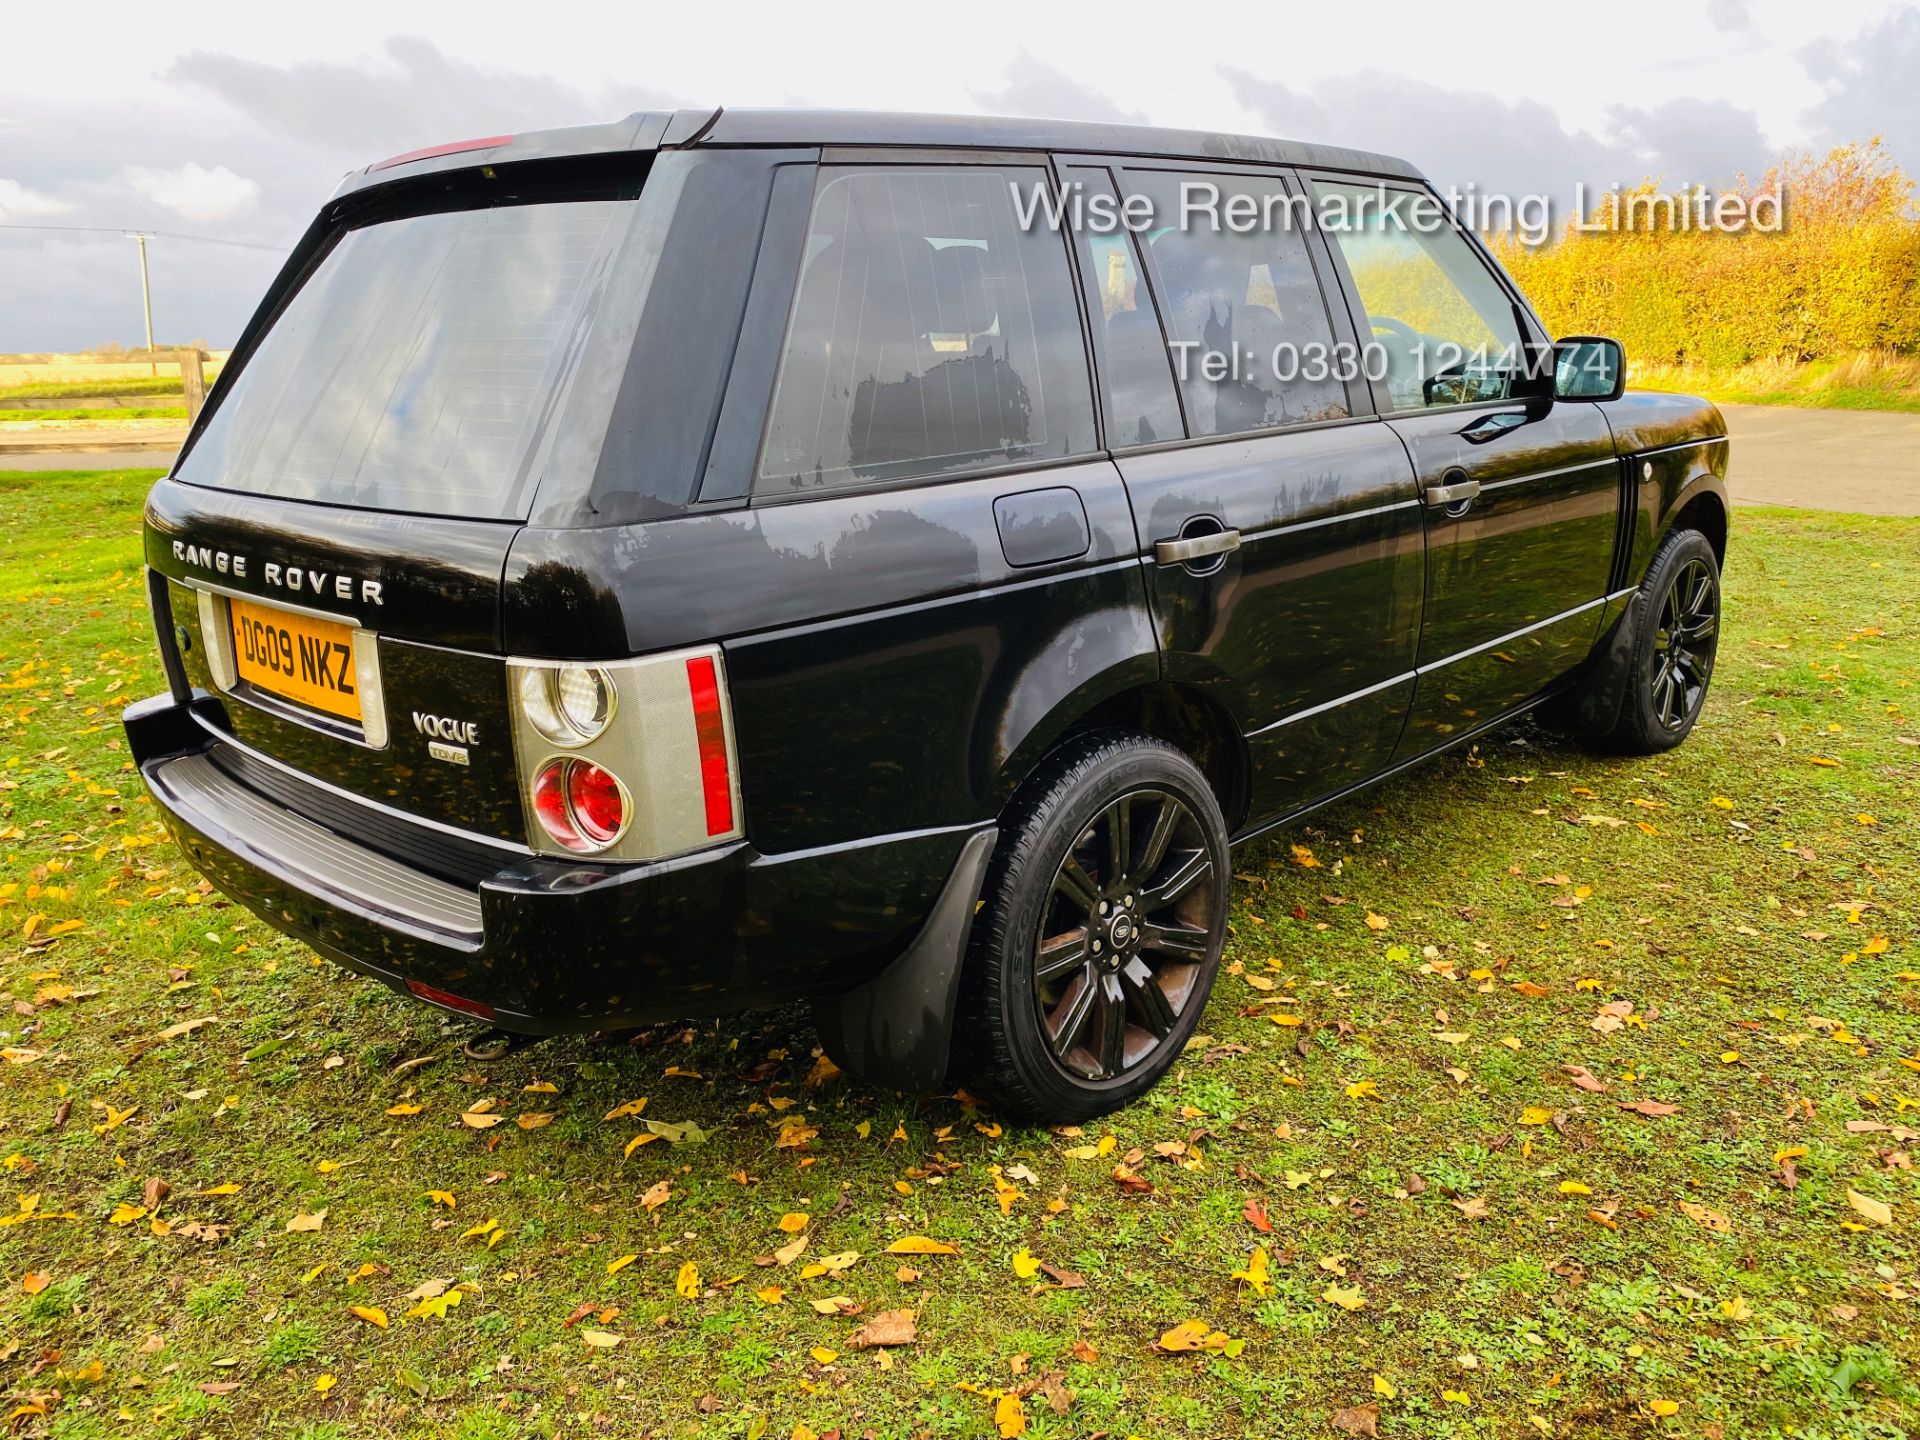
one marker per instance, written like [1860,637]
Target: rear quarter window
[930,334]
[419,364]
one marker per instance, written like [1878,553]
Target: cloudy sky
[234,121]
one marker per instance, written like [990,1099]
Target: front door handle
[1488,426]
[1196,547]
[1458,493]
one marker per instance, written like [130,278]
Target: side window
[930,334]
[1253,348]
[1443,330]
[1136,373]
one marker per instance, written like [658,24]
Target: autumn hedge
[1842,275]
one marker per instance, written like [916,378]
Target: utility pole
[139,237]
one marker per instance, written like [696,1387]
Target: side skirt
[1266,827]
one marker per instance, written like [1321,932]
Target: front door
[1519,492]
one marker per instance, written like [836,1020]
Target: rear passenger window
[930,335]
[1251,299]
[1136,376]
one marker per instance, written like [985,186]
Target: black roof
[994,132]
[654,129]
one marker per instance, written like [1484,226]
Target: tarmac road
[1863,461]
[1866,462]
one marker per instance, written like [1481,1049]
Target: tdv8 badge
[447,738]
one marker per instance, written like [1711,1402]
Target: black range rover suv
[721,558]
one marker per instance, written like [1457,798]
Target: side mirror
[1588,367]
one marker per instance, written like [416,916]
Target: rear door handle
[1197,547]
[1458,493]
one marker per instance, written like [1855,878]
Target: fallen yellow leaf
[1878,1211]
[1011,1416]
[920,1245]
[1255,1276]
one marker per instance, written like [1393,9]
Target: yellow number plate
[296,657]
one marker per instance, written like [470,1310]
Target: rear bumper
[548,945]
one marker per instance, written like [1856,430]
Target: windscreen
[419,366]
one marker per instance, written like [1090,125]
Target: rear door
[1281,540]
[909,541]
[1519,493]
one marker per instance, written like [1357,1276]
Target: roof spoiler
[643,130]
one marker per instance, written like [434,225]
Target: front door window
[1443,331]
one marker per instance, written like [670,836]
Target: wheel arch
[1183,716]
[1702,508]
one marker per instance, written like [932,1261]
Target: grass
[83,389]
[107,416]
[1525,1256]
[1870,381]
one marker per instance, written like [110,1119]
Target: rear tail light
[582,806]
[550,806]
[586,699]
[710,731]
[597,802]
[645,767]
[569,705]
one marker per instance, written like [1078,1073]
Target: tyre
[1099,933]
[1673,637]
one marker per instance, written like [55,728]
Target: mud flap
[1592,707]
[896,1030]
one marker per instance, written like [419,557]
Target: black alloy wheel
[1123,935]
[1684,643]
[1647,685]
[1099,930]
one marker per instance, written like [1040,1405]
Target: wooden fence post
[193,379]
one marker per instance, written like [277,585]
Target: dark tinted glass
[1443,331]
[415,368]
[1136,373]
[930,334]
[1251,299]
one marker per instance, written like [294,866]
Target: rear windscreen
[420,365]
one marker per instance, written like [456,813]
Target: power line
[160,234]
